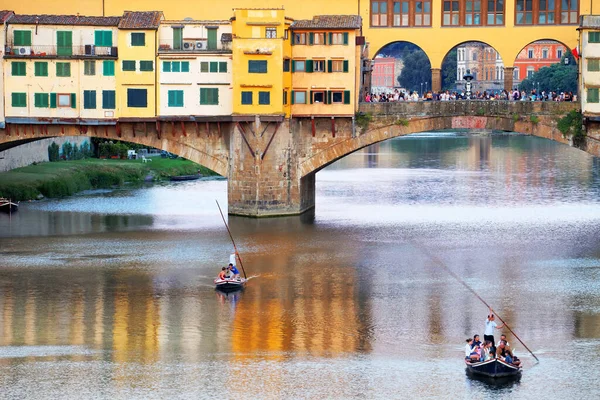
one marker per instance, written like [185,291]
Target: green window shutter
[41,100]
[330,38]
[175,66]
[215,96]
[329,66]
[108,99]
[292,97]
[89,99]
[211,35]
[107,40]
[128,65]
[293,66]
[311,96]
[63,69]
[166,66]
[98,38]
[202,96]
[185,66]
[73,100]
[41,68]
[22,38]
[18,68]
[52,100]
[311,38]
[345,65]
[214,66]
[223,66]
[108,68]
[138,39]
[146,66]
[64,43]
[593,95]
[204,66]
[103,38]
[345,38]
[329,97]
[309,65]
[177,38]
[346,97]
[19,99]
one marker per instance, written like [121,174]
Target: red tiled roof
[140,20]
[329,22]
[64,20]
[5,14]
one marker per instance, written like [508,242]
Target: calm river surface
[109,294]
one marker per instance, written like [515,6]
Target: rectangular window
[89,67]
[559,53]
[594,37]
[63,69]
[472,12]
[299,66]
[318,97]
[146,66]
[257,66]
[175,98]
[546,12]
[299,97]
[64,99]
[108,68]
[247,98]
[211,36]
[495,12]
[177,38]
[64,43]
[592,95]
[166,66]
[286,65]
[337,97]
[214,66]
[401,13]
[319,65]
[271,33]
[544,53]
[593,64]
[222,66]
[264,98]
[524,10]
[176,66]
[336,38]
[137,98]
[41,68]
[299,38]
[423,13]
[103,38]
[18,68]
[89,99]
[210,96]
[337,66]
[451,15]
[40,100]
[285,94]
[108,99]
[569,13]
[318,38]
[22,38]
[128,65]
[204,66]
[138,39]
[19,99]
[185,66]
[379,13]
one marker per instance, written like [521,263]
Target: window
[214,66]
[317,38]
[271,33]
[137,98]
[559,53]
[451,13]
[257,66]
[524,10]
[285,94]
[138,39]
[516,74]
[22,38]
[40,100]
[146,66]
[592,96]
[319,65]
[89,99]
[211,36]
[108,99]
[66,99]
[401,13]
[594,37]
[337,97]
[299,38]
[336,66]
[379,13]
[18,68]
[103,38]
[495,12]
[19,99]
[473,12]
[63,69]
[336,38]
[593,64]
[204,66]
[299,66]
[41,68]
[177,38]
[222,66]
[175,98]
[546,13]
[247,98]
[264,98]
[569,11]
[530,53]
[318,97]
[544,53]
[286,65]
[299,97]
[423,13]
[530,72]
[89,67]
[108,68]
[210,96]
[64,43]
[128,65]
[176,66]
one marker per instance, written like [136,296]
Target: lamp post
[421,91]
[468,77]
[425,87]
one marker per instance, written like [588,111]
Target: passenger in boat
[476,341]
[233,270]
[506,354]
[222,274]
[490,325]
[503,337]
[468,348]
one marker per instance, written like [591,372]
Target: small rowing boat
[229,284]
[8,206]
[180,178]
[494,368]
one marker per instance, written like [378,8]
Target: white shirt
[467,350]
[489,327]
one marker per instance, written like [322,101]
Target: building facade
[485,65]
[589,66]
[542,53]
[194,68]
[4,16]
[383,75]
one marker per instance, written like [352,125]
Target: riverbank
[66,178]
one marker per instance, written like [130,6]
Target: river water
[109,295]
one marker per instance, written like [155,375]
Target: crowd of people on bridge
[478,351]
[514,95]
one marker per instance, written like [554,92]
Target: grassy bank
[65,178]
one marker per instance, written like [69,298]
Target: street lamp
[425,87]
[468,77]
[421,92]
[567,60]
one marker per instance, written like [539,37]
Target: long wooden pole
[443,265]
[232,241]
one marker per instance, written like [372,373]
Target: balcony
[85,51]
[193,46]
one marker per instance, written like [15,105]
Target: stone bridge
[270,162]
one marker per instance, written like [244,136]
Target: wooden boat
[186,177]
[494,369]
[8,206]
[228,285]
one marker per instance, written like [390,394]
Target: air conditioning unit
[201,44]
[189,45]
[22,51]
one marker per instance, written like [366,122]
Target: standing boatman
[490,325]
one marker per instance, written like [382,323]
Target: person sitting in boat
[476,341]
[234,271]
[503,337]
[223,273]
[505,354]
[490,325]
[486,351]
[468,348]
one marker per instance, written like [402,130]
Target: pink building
[383,75]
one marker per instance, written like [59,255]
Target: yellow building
[325,65]
[4,16]
[60,69]
[260,44]
[136,72]
[589,67]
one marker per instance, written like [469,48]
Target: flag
[575,52]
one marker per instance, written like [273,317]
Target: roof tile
[43,19]
[5,14]
[140,20]
[329,22]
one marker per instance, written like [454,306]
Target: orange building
[383,75]
[542,53]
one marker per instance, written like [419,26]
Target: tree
[417,70]
[449,70]
[560,77]
[53,152]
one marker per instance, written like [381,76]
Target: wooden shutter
[346,97]
[293,98]
[345,65]
[330,38]
[64,43]
[73,100]
[329,66]
[345,38]
[309,66]
[311,38]
[52,100]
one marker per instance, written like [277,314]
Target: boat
[229,285]
[186,177]
[8,206]
[494,369]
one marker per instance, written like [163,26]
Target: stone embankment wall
[37,151]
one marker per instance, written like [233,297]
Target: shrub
[53,152]
[534,119]
[362,120]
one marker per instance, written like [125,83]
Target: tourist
[505,354]
[233,270]
[490,325]
[502,338]
[468,348]
[476,341]
[223,273]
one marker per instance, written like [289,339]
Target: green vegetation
[60,179]
[571,125]
[516,118]
[560,77]
[480,112]
[534,119]
[417,70]
[402,122]
[362,120]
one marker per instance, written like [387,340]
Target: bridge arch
[409,59]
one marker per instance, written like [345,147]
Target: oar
[443,265]
[232,241]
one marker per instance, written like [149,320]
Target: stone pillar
[508,78]
[436,79]
[263,176]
